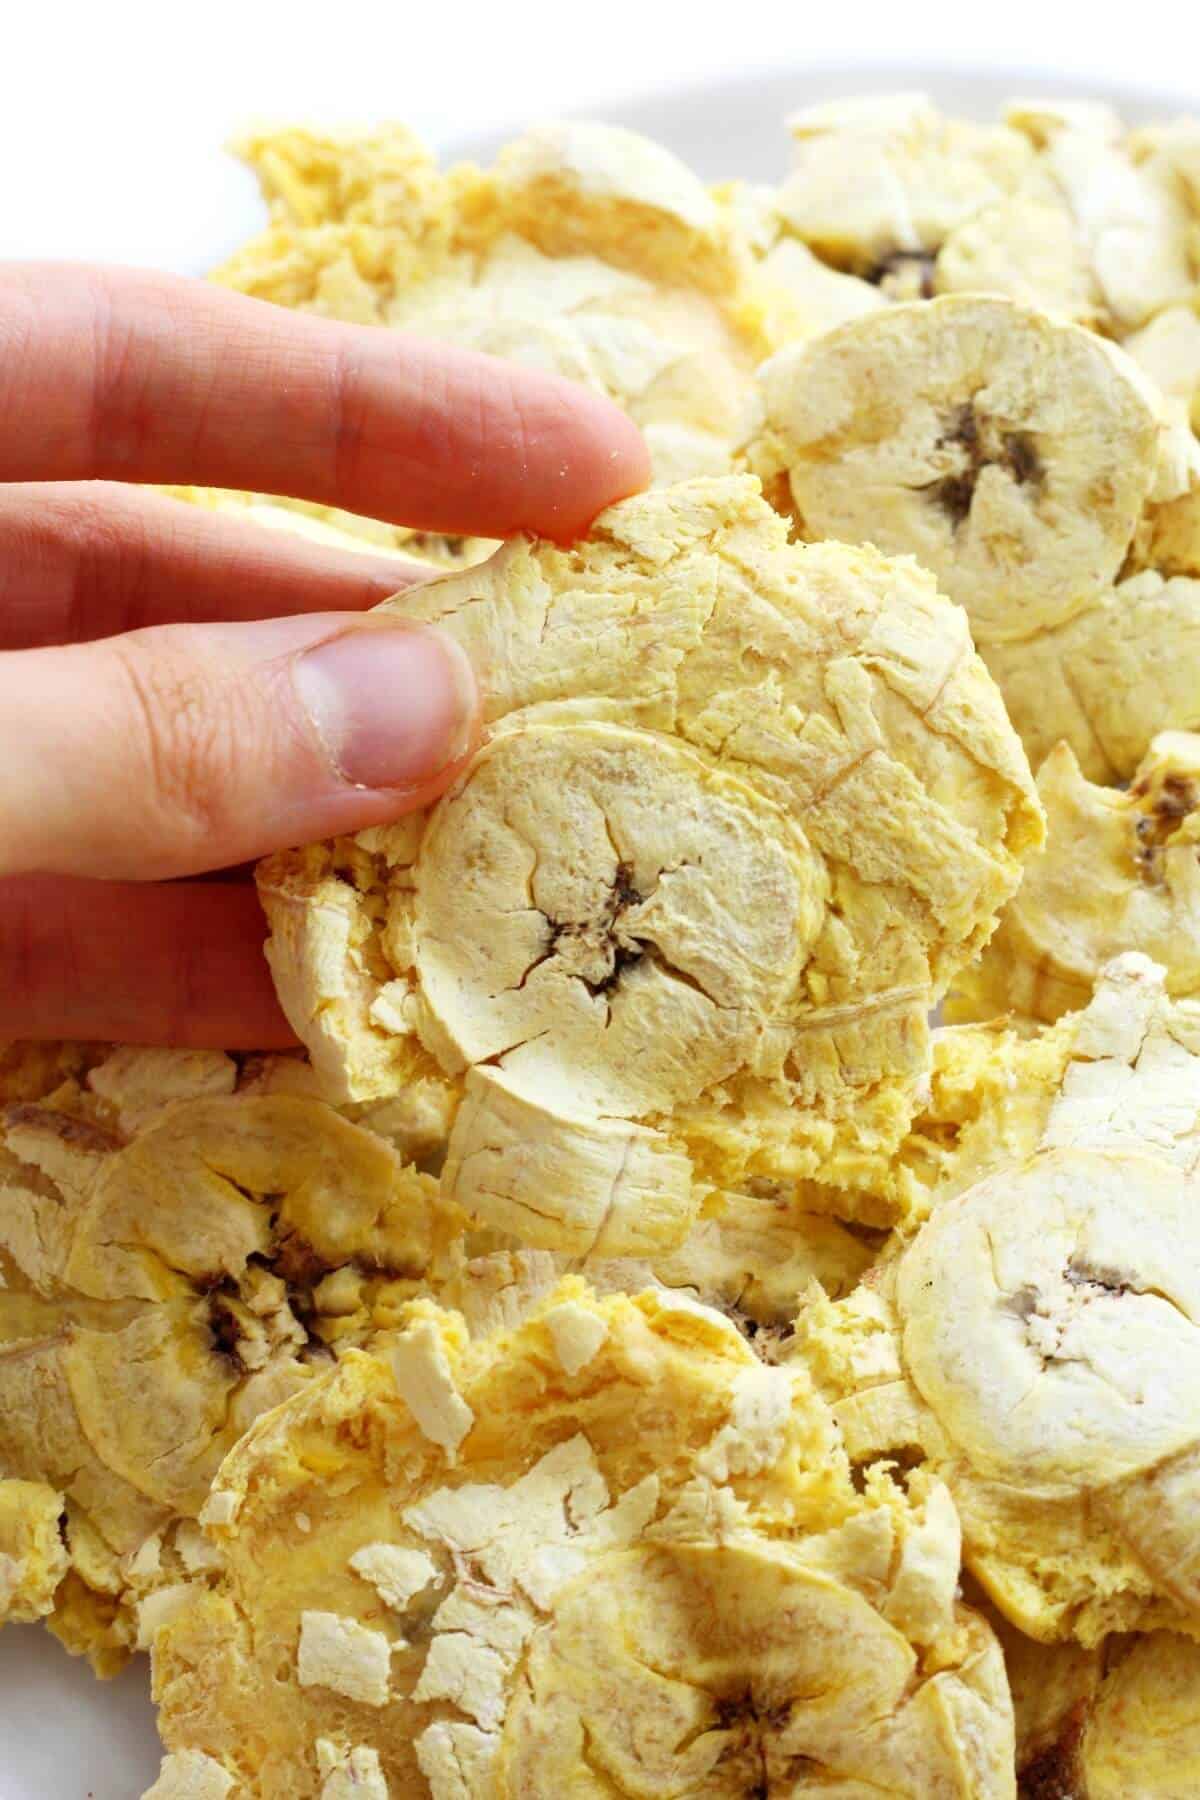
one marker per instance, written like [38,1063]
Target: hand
[180,692]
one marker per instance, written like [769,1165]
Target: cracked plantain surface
[745,808]
[156,1295]
[1010,452]
[204,1354]
[1030,1344]
[1040,475]
[1110,679]
[1120,869]
[1123,1071]
[608,1553]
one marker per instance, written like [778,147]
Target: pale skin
[181,693]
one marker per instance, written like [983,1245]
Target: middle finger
[87,560]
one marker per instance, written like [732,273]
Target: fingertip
[520,449]
[590,455]
[395,705]
[622,456]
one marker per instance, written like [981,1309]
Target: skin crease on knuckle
[17,327]
[439,409]
[119,421]
[347,408]
[126,415]
[73,563]
[109,578]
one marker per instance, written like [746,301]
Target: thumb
[191,747]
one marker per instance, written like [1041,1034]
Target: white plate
[62,1735]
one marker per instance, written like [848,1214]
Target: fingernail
[392,705]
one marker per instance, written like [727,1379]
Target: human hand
[180,692]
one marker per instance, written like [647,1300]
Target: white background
[112,122]
[113,115]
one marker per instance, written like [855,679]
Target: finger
[84,560]
[139,377]
[191,747]
[181,963]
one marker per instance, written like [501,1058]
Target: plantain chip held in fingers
[634,1349]
[642,1571]
[745,808]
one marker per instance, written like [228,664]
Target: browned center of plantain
[1054,1774]
[1164,802]
[904,274]
[749,1722]
[1083,1274]
[1089,1282]
[224,1326]
[296,1262]
[978,443]
[597,950]
[754,1756]
[770,1342]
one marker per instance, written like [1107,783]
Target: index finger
[133,377]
